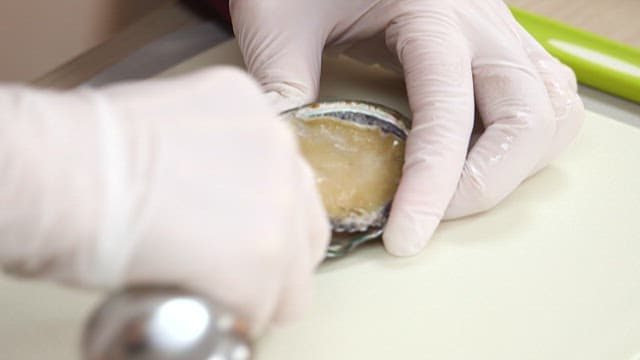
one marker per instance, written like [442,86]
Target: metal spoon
[155,323]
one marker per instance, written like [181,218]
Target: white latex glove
[191,181]
[452,53]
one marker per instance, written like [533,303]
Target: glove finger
[437,72]
[561,86]
[286,259]
[319,229]
[542,59]
[295,292]
[309,242]
[519,128]
[286,63]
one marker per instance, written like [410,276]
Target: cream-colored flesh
[357,167]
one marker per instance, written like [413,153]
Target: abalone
[356,150]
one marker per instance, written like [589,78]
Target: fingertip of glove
[405,237]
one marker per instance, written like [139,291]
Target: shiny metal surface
[157,323]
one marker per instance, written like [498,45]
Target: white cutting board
[551,273]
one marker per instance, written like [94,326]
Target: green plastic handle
[597,61]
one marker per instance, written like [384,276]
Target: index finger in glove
[437,69]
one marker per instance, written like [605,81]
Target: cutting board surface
[551,273]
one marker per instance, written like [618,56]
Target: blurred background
[37,36]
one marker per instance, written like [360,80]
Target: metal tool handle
[160,323]
[146,323]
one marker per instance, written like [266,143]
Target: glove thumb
[286,63]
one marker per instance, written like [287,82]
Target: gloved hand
[191,181]
[454,54]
